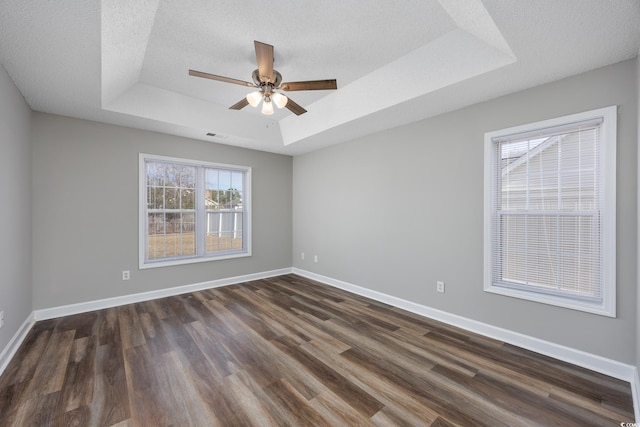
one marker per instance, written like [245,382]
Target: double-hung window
[550,211]
[192,211]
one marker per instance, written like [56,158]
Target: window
[550,210]
[192,211]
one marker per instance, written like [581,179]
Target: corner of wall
[637,335]
[16,285]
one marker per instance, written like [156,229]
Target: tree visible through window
[192,211]
[549,210]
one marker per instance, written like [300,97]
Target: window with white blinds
[550,211]
[192,211]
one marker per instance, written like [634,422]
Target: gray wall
[347,199]
[85,201]
[638,263]
[15,213]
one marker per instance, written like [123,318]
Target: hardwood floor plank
[272,319]
[181,397]
[396,399]
[440,395]
[78,382]
[257,406]
[146,396]
[160,308]
[49,375]
[110,404]
[12,399]
[80,416]
[222,320]
[131,333]
[289,351]
[244,315]
[348,391]
[84,324]
[216,395]
[392,417]
[301,411]
[153,333]
[108,327]
[337,412]
[26,359]
[43,410]
[221,362]
[266,363]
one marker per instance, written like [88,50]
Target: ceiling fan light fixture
[279,99]
[267,80]
[267,106]
[254,98]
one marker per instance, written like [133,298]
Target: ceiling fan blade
[240,104]
[310,85]
[295,108]
[264,57]
[220,78]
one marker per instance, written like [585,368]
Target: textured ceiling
[126,62]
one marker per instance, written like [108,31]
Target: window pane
[180,235]
[172,198]
[224,180]
[155,174]
[188,177]
[176,194]
[187,199]
[538,249]
[156,236]
[224,231]
[155,198]
[212,179]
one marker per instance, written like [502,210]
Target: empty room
[330,213]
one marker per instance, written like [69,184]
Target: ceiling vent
[217,135]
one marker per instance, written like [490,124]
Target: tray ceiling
[127,63]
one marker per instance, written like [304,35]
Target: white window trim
[142,217]
[609,135]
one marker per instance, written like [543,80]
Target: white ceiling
[126,62]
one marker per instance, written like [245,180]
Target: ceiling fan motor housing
[267,86]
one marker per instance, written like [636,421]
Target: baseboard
[83,307]
[12,347]
[577,357]
[635,390]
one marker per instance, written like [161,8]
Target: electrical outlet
[1,318]
[301,255]
[315,258]
[125,275]
[440,286]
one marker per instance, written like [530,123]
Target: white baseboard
[83,307]
[581,358]
[635,391]
[12,347]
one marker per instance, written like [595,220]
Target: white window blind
[548,214]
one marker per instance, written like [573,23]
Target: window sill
[183,261]
[595,308]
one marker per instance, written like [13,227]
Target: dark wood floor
[289,351]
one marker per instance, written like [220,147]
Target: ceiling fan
[268,82]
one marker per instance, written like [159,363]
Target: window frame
[608,143]
[200,220]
